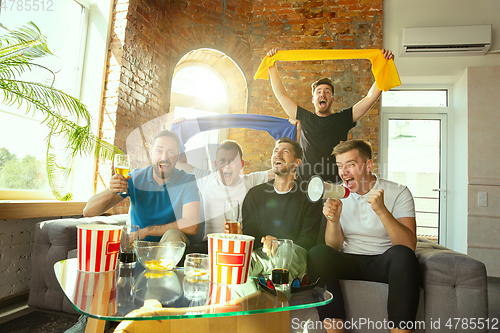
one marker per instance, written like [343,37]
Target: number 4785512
[472,323]
[26,5]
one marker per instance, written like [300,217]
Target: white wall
[399,14]
[435,72]
[483,88]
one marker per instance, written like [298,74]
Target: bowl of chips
[156,256]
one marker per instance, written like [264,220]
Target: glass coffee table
[147,301]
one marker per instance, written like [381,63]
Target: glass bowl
[156,256]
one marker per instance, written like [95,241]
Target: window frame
[91,72]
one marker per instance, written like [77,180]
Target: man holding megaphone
[370,235]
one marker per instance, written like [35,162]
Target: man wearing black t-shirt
[324,129]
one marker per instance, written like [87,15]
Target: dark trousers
[201,247]
[398,267]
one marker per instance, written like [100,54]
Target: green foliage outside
[27,173]
[66,117]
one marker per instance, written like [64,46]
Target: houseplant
[66,117]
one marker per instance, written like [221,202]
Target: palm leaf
[62,113]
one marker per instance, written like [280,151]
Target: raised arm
[108,198]
[279,90]
[365,104]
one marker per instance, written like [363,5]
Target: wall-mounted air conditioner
[446,41]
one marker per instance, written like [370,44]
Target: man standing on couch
[325,128]
[371,236]
[164,201]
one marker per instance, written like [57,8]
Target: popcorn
[162,265]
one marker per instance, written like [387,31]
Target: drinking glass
[122,165]
[281,260]
[196,267]
[130,234]
[232,215]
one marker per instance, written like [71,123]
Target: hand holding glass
[232,215]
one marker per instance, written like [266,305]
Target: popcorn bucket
[229,257]
[98,247]
[96,292]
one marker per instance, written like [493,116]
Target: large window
[198,90]
[22,136]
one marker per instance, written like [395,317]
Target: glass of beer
[281,260]
[122,165]
[232,215]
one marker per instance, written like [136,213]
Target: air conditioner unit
[446,41]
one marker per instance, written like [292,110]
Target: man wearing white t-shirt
[226,182]
[371,236]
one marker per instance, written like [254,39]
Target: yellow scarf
[384,71]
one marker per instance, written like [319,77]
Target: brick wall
[16,246]
[349,24]
[150,37]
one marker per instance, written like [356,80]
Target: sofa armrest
[53,240]
[455,284]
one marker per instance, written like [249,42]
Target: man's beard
[160,173]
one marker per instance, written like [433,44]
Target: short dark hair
[168,133]
[324,80]
[230,145]
[364,148]
[297,149]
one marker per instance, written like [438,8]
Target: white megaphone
[318,189]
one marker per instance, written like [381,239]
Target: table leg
[95,325]
[274,322]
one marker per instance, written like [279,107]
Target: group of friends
[370,235]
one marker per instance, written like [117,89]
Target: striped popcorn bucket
[98,247]
[96,292]
[229,257]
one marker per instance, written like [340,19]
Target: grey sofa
[454,285]
[54,239]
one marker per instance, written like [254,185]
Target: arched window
[199,90]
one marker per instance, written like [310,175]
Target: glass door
[413,154]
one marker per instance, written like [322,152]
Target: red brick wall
[342,24]
[151,36]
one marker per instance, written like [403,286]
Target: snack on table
[162,265]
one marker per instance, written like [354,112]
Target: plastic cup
[229,257]
[98,247]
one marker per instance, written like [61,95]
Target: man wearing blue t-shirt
[164,201]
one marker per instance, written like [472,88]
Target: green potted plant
[66,117]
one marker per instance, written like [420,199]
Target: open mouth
[164,165]
[279,162]
[322,103]
[349,182]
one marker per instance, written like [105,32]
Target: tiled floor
[41,322]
